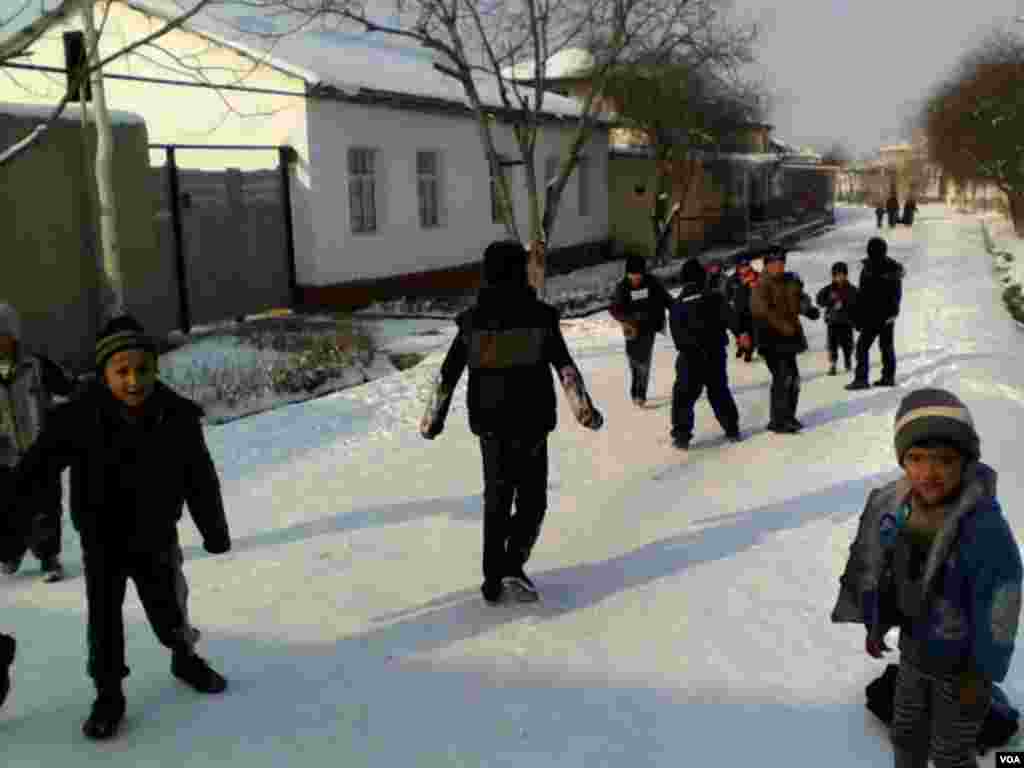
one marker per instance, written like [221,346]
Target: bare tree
[499,52]
[681,108]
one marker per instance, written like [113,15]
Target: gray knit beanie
[935,414]
[10,322]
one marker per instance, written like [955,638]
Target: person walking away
[935,556]
[698,321]
[137,454]
[640,302]
[838,299]
[508,340]
[776,306]
[880,214]
[878,305]
[28,384]
[738,290]
[892,206]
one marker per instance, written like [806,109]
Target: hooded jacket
[129,482]
[509,340]
[776,305]
[963,613]
[645,306]
[880,291]
[839,303]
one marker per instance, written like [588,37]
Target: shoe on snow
[832,370]
[7,648]
[520,588]
[105,717]
[681,444]
[193,670]
[853,386]
[639,402]
[10,567]
[783,429]
[734,436]
[884,382]
[52,570]
[492,592]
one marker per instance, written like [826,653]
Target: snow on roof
[349,63]
[569,62]
[71,112]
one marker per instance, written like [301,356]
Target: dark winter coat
[776,305]
[964,611]
[838,302]
[699,319]
[892,205]
[879,293]
[130,481]
[717,283]
[646,306]
[509,341]
[909,209]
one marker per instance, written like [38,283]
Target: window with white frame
[583,184]
[362,189]
[428,167]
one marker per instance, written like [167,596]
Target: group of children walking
[933,555]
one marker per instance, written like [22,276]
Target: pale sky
[853,70]
[841,70]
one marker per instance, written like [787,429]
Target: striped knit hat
[121,333]
[935,414]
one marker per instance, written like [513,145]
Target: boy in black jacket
[509,340]
[699,319]
[838,299]
[738,291]
[639,303]
[878,304]
[136,453]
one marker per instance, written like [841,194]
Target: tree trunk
[1015,201]
[112,285]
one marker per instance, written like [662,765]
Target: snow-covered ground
[686,599]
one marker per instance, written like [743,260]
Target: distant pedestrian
[878,304]
[838,299]
[892,206]
[909,211]
[509,340]
[698,320]
[28,384]
[880,214]
[776,304]
[640,303]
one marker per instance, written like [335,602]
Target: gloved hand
[217,546]
[876,648]
[429,431]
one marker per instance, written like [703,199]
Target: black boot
[107,713]
[192,669]
[7,649]
[857,384]
[886,381]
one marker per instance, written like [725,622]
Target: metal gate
[228,231]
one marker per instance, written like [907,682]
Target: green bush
[1014,299]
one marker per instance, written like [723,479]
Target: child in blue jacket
[935,557]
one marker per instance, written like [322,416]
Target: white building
[390,178]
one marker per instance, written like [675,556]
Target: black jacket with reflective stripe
[509,341]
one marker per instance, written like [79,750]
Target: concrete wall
[48,214]
[336,254]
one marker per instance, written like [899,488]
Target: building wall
[400,245]
[176,114]
[51,242]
